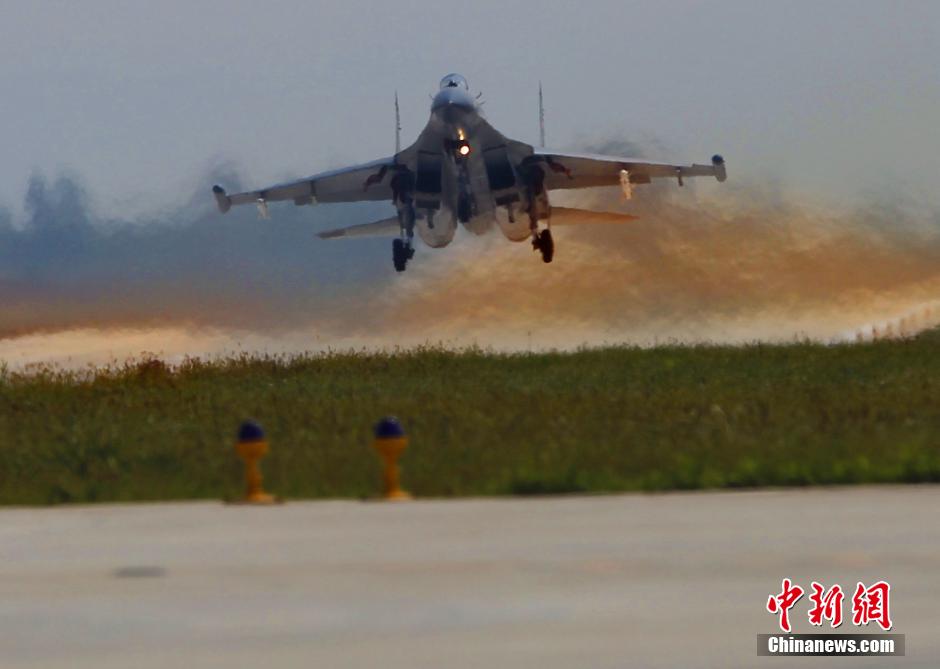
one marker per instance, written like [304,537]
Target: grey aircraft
[462,170]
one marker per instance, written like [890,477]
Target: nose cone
[450,104]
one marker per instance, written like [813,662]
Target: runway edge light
[390,442]
[251,447]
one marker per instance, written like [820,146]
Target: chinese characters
[869,604]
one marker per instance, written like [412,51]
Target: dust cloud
[731,263]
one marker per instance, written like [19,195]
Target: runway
[666,580]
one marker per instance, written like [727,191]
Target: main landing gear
[401,254]
[402,250]
[542,241]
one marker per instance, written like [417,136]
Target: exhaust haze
[734,263]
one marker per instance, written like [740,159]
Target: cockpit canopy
[454,80]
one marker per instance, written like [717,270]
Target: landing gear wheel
[546,245]
[401,254]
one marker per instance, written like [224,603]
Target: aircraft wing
[573,170]
[368,181]
[387,227]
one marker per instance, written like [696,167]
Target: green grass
[481,423]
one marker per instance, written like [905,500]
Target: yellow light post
[390,442]
[251,447]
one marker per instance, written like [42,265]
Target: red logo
[871,605]
[868,604]
[827,605]
[783,602]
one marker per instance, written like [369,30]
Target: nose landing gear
[542,241]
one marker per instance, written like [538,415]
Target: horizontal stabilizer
[566,216]
[387,227]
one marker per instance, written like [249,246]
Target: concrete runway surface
[674,580]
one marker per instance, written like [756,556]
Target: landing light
[464,150]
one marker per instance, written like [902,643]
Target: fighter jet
[461,170]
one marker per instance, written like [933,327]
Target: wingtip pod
[718,162]
[222,201]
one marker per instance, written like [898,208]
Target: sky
[141,103]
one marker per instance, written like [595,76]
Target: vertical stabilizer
[541,118]
[397,126]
